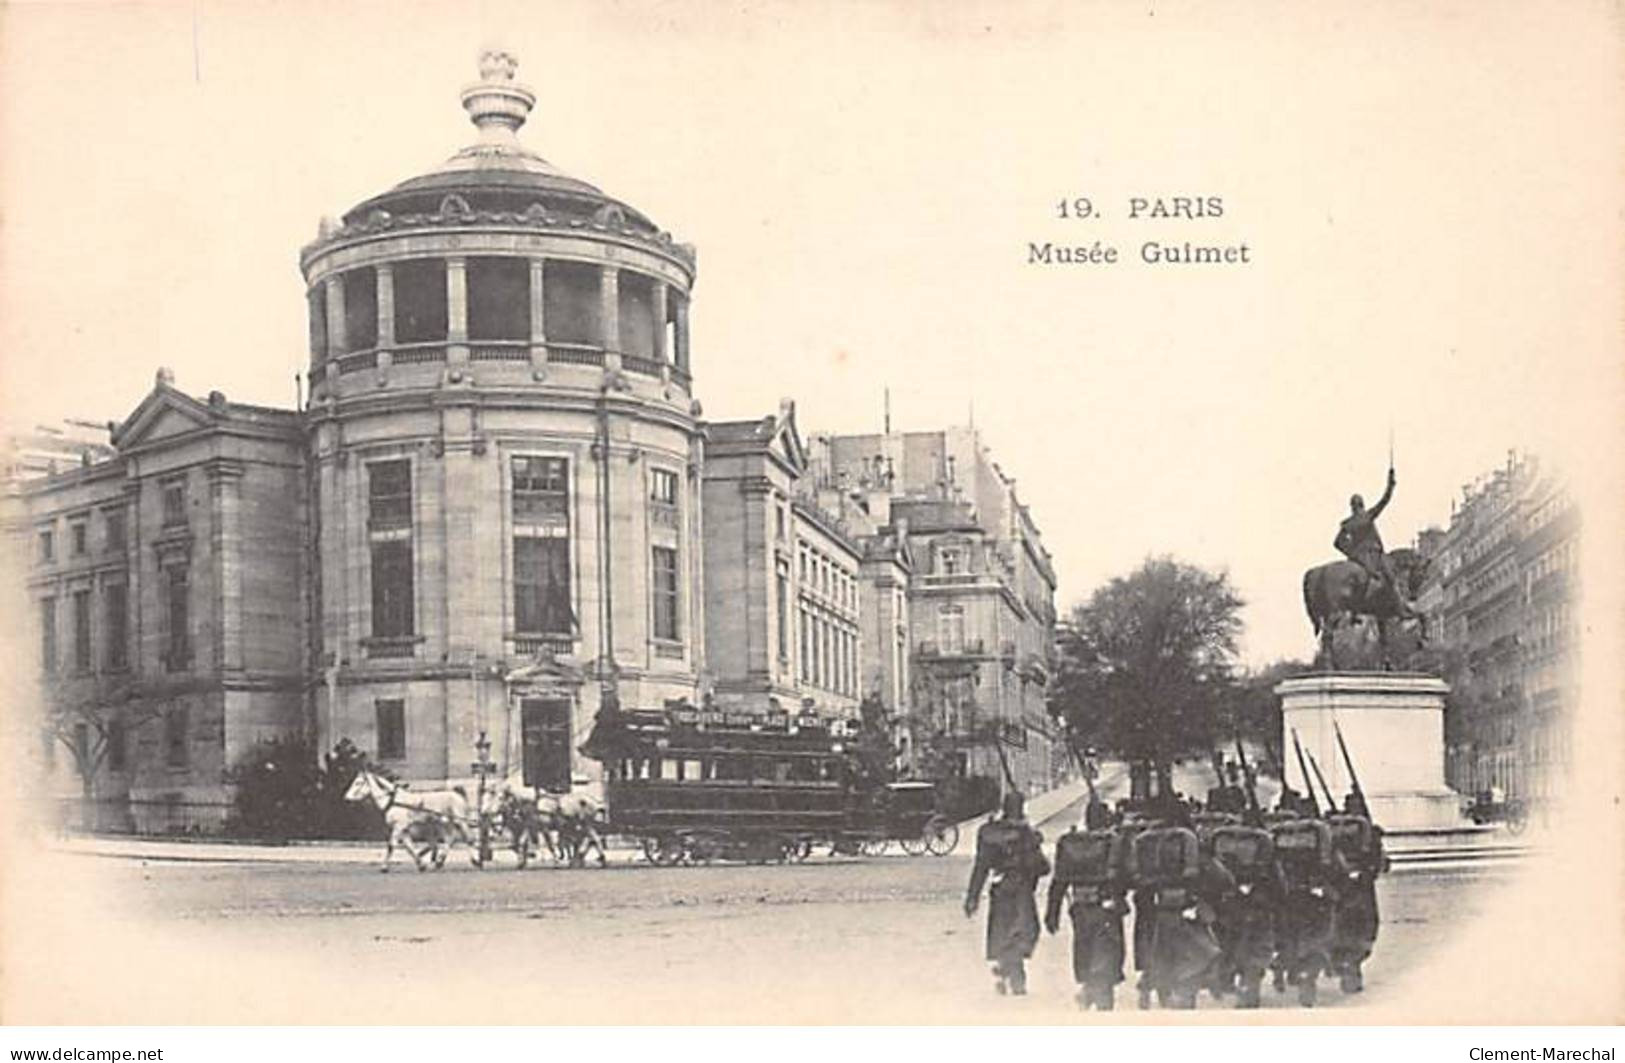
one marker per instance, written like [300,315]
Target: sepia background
[1430,194]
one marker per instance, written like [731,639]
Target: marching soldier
[1359,842]
[1011,853]
[1315,871]
[1177,886]
[1247,914]
[1228,796]
[1090,872]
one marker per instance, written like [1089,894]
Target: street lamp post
[482,769]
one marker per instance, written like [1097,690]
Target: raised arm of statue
[1376,510]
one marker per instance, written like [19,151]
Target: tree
[1255,710]
[92,731]
[1146,663]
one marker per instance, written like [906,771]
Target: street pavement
[876,939]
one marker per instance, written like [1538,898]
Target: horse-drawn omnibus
[698,785]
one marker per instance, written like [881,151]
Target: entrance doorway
[544,725]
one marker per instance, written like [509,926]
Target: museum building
[497,512]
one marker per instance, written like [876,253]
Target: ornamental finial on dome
[498,105]
[496,64]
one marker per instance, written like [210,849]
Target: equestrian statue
[1372,583]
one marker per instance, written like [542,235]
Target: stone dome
[498,180]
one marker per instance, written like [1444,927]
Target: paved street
[860,940]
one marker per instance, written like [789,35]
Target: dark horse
[1337,592]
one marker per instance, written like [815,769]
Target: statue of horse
[1339,592]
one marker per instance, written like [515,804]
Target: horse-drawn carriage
[696,786]
[686,786]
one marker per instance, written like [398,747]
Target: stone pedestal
[1394,726]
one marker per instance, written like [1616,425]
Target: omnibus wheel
[941,835]
[874,846]
[914,846]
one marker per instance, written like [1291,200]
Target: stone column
[335,316]
[662,355]
[386,314]
[135,647]
[456,310]
[226,534]
[609,315]
[694,551]
[538,313]
[682,336]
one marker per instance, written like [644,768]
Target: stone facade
[167,595]
[981,592]
[784,600]
[498,513]
[1500,598]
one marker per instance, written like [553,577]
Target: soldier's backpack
[1087,857]
[1304,847]
[1245,852]
[1010,847]
[1167,856]
[1355,838]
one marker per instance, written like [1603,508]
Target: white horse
[576,817]
[419,823]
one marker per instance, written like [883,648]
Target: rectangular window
[47,620]
[391,729]
[116,623]
[389,495]
[47,545]
[950,561]
[665,593]
[541,585]
[79,537]
[664,487]
[174,505]
[541,490]
[179,616]
[175,745]
[113,526]
[81,631]
[951,629]
[392,603]
[389,526]
[783,588]
[117,745]
[806,648]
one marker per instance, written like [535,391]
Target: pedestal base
[1393,724]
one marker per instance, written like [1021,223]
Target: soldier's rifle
[1255,815]
[1083,766]
[1303,771]
[1331,802]
[1004,763]
[1348,762]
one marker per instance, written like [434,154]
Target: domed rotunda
[505,461]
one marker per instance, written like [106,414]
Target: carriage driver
[1358,540]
